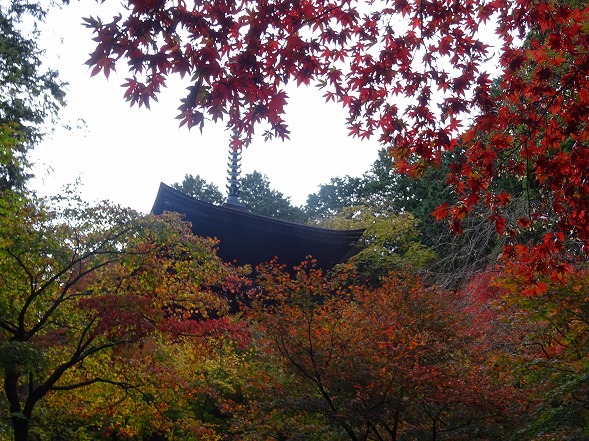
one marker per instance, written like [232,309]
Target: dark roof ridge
[181,195]
[252,238]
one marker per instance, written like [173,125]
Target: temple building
[249,238]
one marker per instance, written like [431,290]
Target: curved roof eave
[252,238]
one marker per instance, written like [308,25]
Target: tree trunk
[20,426]
[20,422]
[395,428]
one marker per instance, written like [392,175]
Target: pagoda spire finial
[234,172]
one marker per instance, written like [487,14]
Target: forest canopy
[121,326]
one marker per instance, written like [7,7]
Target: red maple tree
[412,72]
[394,362]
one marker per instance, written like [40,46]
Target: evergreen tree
[29,94]
[200,189]
[260,198]
[255,192]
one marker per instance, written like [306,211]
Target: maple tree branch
[62,297]
[311,353]
[555,367]
[97,251]
[72,386]
[324,13]
[283,348]
[542,347]
[458,427]
[23,266]
[385,394]
[582,316]
[125,386]
[317,380]
[564,336]
[79,355]
[536,124]
[45,286]
[81,345]
[7,326]
[19,327]
[392,431]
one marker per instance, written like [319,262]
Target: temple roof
[248,238]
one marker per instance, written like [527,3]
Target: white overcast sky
[123,153]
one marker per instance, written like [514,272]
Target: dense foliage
[85,289]
[390,241]
[396,362]
[115,325]
[390,195]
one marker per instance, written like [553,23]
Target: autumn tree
[185,384]
[84,290]
[391,196]
[416,75]
[544,347]
[396,362]
[390,242]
